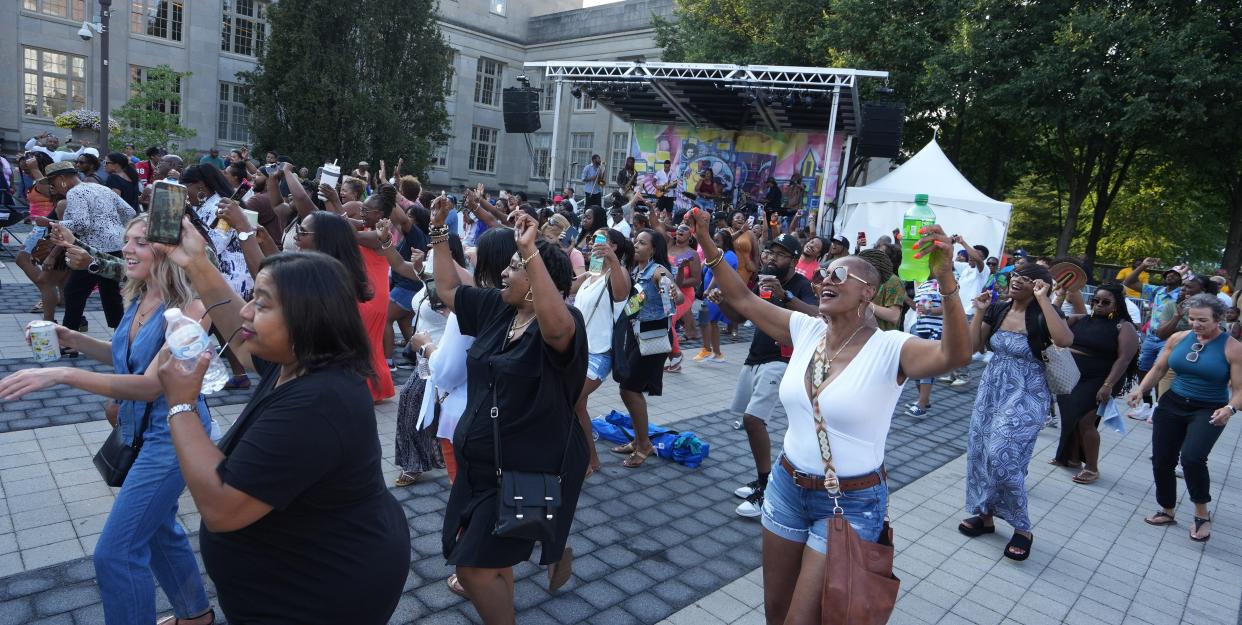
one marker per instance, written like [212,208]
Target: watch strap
[180,408]
[245,236]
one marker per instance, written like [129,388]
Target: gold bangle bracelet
[526,260]
[719,257]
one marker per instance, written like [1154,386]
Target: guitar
[661,190]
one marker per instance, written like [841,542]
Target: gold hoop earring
[530,295]
[860,309]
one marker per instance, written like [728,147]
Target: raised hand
[61,235]
[383,228]
[440,208]
[982,301]
[938,247]
[191,248]
[525,231]
[231,211]
[1041,289]
[1149,262]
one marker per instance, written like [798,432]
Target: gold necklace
[821,373]
[143,317]
[514,327]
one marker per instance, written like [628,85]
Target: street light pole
[105,10]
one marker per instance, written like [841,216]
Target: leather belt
[816,482]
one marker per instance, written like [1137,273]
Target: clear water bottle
[597,262]
[186,340]
[666,284]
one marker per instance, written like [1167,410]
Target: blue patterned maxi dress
[1010,408]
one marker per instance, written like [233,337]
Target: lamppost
[105,12]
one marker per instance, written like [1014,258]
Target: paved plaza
[662,544]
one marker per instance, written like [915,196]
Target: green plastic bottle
[917,217]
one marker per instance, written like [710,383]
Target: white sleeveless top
[857,405]
[593,301]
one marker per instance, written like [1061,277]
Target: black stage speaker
[881,129]
[521,108]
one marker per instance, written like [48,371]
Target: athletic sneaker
[915,411]
[718,358]
[703,354]
[746,491]
[946,378]
[392,365]
[958,382]
[752,507]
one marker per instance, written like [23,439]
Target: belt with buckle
[816,482]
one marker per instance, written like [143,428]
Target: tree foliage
[148,117]
[351,80]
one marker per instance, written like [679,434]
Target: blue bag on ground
[684,448]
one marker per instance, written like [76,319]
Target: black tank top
[1096,337]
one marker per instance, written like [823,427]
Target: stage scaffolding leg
[556,132]
[824,182]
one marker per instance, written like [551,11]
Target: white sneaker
[752,507]
[945,378]
[959,382]
[746,491]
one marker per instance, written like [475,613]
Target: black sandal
[974,526]
[1199,523]
[1019,542]
[1160,519]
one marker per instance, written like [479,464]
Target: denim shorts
[36,233]
[599,366]
[402,297]
[800,515]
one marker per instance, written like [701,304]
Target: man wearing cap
[1159,296]
[97,217]
[838,247]
[758,383]
[49,144]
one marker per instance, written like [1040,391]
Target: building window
[170,105]
[451,77]
[52,82]
[69,9]
[620,148]
[580,146]
[439,158]
[547,99]
[487,82]
[483,149]
[498,6]
[234,123]
[584,103]
[162,19]
[245,27]
[541,159]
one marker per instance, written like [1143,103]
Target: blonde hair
[175,286]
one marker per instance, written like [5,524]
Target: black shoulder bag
[529,502]
[114,458]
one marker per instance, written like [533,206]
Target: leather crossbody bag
[115,458]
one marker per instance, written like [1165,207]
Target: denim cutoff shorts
[800,515]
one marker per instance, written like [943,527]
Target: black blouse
[336,546]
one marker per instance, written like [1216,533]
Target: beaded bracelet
[436,231]
[436,240]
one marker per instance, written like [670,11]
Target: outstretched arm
[921,358]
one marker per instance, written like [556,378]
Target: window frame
[547,98]
[439,156]
[475,140]
[541,156]
[41,75]
[581,154]
[229,17]
[498,7]
[613,151]
[584,103]
[137,74]
[233,103]
[481,75]
[73,17]
[144,33]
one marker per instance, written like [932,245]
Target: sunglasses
[299,231]
[838,276]
[1193,356]
[1095,301]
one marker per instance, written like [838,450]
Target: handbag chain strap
[816,382]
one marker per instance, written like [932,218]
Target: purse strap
[831,483]
[142,428]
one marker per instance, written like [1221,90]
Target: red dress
[374,316]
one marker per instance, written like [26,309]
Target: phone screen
[167,207]
[241,191]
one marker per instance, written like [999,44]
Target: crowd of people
[513,315]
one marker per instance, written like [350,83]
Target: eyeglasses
[838,276]
[775,254]
[299,231]
[1095,301]
[1193,356]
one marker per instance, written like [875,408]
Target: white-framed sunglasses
[840,274]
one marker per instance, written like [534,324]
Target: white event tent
[960,208]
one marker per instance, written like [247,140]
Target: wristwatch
[244,236]
[94,267]
[1229,406]
[180,408]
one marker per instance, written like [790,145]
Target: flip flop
[1198,526]
[1160,518]
[455,587]
[1086,477]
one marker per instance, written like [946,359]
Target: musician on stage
[708,190]
[593,181]
[627,177]
[666,188]
[795,194]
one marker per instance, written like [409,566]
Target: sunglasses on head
[839,275]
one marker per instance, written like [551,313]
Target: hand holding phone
[168,201]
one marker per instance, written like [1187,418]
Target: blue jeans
[800,515]
[1149,351]
[142,536]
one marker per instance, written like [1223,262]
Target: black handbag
[529,502]
[115,458]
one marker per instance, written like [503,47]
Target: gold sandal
[623,450]
[637,458]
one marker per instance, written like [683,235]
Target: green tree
[351,80]
[148,118]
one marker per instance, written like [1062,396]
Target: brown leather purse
[859,585]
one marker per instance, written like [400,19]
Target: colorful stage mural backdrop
[742,161]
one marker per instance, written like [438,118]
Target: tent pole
[823,189]
[556,128]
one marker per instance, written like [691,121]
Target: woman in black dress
[298,525]
[1105,343]
[527,363]
[122,178]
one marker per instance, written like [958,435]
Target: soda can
[43,341]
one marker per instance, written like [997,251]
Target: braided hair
[880,261]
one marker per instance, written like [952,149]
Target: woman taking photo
[141,536]
[525,373]
[653,278]
[298,526]
[1194,412]
[1012,403]
[601,299]
[844,378]
[1105,343]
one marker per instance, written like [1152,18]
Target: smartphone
[168,201]
[750,221]
[241,191]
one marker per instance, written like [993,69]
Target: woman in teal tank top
[1192,415]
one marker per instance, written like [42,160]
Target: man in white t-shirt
[616,221]
[972,274]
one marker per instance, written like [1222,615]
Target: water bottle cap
[920,198]
[171,313]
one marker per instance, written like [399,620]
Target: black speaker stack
[521,109]
[881,129]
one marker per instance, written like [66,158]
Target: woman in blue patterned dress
[1012,402]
